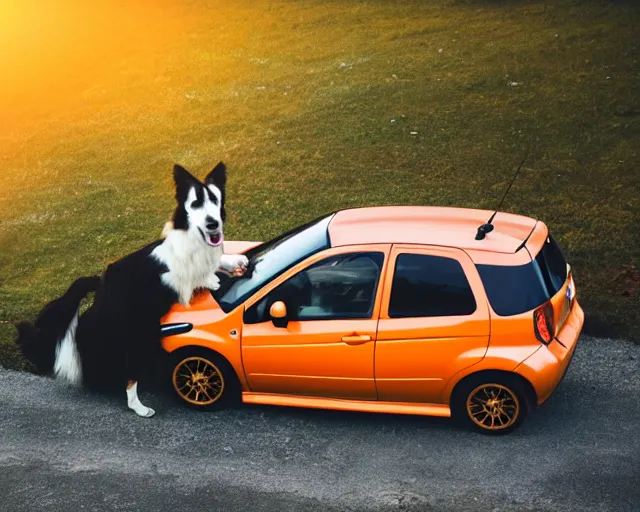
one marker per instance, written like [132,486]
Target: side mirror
[278,312]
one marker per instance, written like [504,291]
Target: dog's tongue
[215,239]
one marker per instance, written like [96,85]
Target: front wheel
[492,405]
[203,379]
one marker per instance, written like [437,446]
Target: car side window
[428,286]
[338,287]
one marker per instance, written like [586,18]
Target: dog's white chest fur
[192,264]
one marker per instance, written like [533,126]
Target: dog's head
[201,205]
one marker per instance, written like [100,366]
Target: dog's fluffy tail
[49,343]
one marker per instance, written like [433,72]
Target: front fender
[212,329]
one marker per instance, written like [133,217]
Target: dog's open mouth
[212,239]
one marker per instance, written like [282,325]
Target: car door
[434,322]
[327,348]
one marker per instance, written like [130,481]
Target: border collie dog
[112,343]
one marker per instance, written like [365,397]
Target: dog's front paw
[235,264]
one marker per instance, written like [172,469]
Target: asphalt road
[66,450]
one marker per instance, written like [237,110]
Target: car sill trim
[347,405]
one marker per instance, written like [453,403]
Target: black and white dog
[113,342]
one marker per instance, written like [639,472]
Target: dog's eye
[195,204]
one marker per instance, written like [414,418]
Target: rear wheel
[203,379]
[492,404]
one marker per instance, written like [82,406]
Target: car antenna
[488,227]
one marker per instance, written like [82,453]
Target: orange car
[393,309]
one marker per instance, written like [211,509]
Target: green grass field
[317,105]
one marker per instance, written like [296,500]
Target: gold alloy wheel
[493,406]
[198,381]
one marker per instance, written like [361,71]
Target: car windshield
[267,261]
[515,290]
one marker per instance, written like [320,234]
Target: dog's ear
[218,178]
[184,181]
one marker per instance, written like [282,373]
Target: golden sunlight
[52,51]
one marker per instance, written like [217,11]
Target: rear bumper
[546,367]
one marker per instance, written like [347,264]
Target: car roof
[429,225]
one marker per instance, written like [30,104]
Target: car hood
[203,310]
[233,247]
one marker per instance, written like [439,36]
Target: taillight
[543,323]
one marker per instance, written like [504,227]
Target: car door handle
[356,339]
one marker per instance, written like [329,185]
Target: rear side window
[515,290]
[427,286]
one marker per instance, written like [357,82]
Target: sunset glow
[53,51]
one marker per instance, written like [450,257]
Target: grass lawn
[316,105]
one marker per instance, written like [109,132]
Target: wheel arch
[184,350]
[531,395]
[227,352]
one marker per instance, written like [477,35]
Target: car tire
[202,379]
[493,404]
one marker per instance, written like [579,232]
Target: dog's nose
[211,223]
